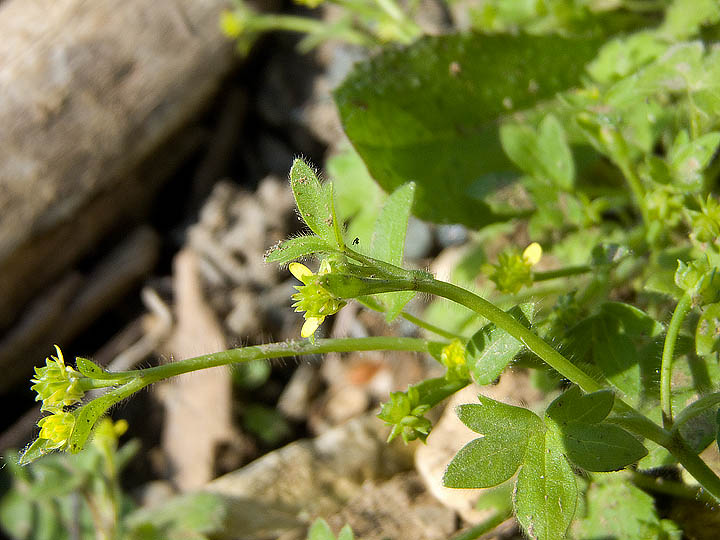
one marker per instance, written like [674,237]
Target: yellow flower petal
[311,324]
[532,254]
[300,271]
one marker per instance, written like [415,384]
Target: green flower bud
[405,414]
[514,270]
[699,279]
[56,384]
[453,358]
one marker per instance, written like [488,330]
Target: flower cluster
[316,301]
[56,429]
[513,270]
[57,386]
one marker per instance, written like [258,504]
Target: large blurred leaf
[617,509]
[429,113]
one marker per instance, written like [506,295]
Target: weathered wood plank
[88,90]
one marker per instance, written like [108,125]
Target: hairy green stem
[562,272]
[669,487]
[694,409]
[430,327]
[280,350]
[681,310]
[513,327]
[476,531]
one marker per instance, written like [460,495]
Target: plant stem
[694,409]
[430,327]
[681,310]
[485,526]
[305,25]
[562,272]
[699,470]
[669,487]
[513,327]
[280,350]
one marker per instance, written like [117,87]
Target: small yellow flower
[313,299]
[57,429]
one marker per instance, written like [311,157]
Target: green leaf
[543,154]
[621,56]
[491,349]
[492,459]
[707,333]
[600,447]
[615,354]
[346,533]
[676,71]
[88,414]
[632,321]
[618,509]
[546,493]
[588,444]
[320,530]
[314,202]
[433,391]
[688,159]
[198,513]
[430,113]
[388,241]
[296,248]
[684,18]
[574,406]
[34,451]
[486,462]
[94,371]
[358,198]
[717,425]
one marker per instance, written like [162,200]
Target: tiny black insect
[356,241]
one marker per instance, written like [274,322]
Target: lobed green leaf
[492,459]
